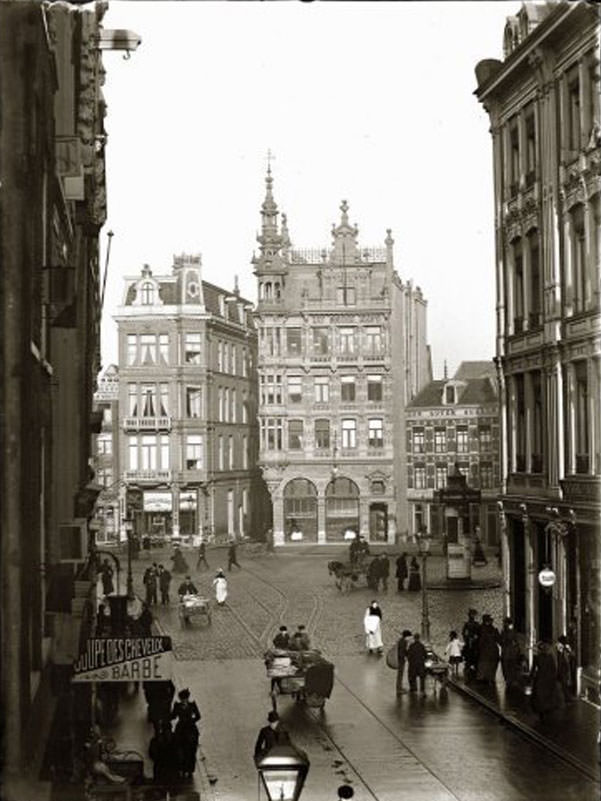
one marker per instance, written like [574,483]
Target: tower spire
[271,240]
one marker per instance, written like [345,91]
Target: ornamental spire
[271,240]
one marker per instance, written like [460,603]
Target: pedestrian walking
[231,557]
[272,734]
[164,584]
[143,624]
[546,690]
[187,714]
[149,580]
[179,563]
[202,555]
[372,624]
[146,545]
[511,655]
[373,574]
[479,557]
[454,652]
[402,647]
[384,570]
[565,666]
[282,639]
[415,582]
[488,650]
[401,571]
[416,659]
[470,634]
[106,576]
[353,550]
[220,584]
[162,751]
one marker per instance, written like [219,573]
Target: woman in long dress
[220,584]
[415,582]
[185,735]
[372,623]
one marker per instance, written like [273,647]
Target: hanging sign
[546,577]
[124,659]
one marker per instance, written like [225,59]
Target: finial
[270,158]
[389,241]
[445,370]
[236,287]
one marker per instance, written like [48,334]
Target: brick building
[342,348]
[454,421]
[187,406]
[543,103]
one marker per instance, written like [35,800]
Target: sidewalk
[571,734]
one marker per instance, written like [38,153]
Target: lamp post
[130,578]
[283,771]
[423,544]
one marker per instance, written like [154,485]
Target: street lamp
[283,771]
[423,544]
[130,578]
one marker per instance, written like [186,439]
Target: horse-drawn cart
[348,575]
[305,675]
[194,607]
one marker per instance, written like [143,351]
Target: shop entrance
[342,509]
[300,511]
[378,522]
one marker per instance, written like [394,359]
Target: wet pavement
[440,747]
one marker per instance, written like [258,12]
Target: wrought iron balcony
[147,424]
[149,476]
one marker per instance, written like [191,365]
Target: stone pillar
[512,423]
[526,269]
[529,410]
[175,510]
[584,77]
[568,262]
[531,635]
[589,266]
[558,424]
[571,418]
[522,147]
[321,518]
[505,560]
[593,421]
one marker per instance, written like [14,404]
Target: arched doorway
[342,508]
[300,511]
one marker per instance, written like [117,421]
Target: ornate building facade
[187,406]
[454,422]
[543,103]
[106,457]
[342,348]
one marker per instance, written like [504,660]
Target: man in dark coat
[202,555]
[470,634]
[106,575]
[150,583]
[511,655]
[162,751]
[402,646]
[373,574]
[384,570]
[416,657]
[187,588]
[231,557]
[270,735]
[401,571]
[488,650]
[547,696]
[282,639]
[164,584]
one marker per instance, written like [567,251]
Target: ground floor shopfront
[425,513]
[566,542]
[333,508]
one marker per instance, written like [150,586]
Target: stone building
[342,349]
[454,422]
[52,207]
[187,406]
[106,457]
[543,103]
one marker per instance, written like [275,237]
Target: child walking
[453,652]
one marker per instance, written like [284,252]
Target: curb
[526,730]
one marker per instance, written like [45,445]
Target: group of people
[156,579]
[187,587]
[172,750]
[299,641]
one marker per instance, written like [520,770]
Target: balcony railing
[147,423]
[147,475]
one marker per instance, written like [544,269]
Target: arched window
[147,294]
[342,508]
[300,510]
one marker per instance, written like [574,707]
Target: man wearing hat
[402,645]
[282,639]
[471,635]
[272,734]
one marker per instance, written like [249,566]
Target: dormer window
[450,395]
[147,293]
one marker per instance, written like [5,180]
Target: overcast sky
[368,102]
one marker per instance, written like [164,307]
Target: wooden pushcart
[193,607]
[305,675]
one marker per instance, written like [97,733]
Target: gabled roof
[471,391]
[479,369]
[430,395]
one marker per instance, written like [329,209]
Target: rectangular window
[244,363]
[530,148]
[164,348]
[132,449]
[148,349]
[104,476]
[518,287]
[373,340]
[322,389]
[192,348]
[462,440]
[419,472]
[574,110]
[535,317]
[441,476]
[230,451]
[233,359]
[293,341]
[349,433]
[149,400]
[104,444]
[376,432]
[271,389]
[346,296]
[484,438]
[132,400]
[193,401]
[450,395]
[271,433]
[514,160]
[581,417]
[295,435]
[220,356]
[418,440]
[322,433]
[148,452]
[347,388]
[245,452]
[132,349]
[164,399]
[233,409]
[347,341]
[244,408]
[374,388]
[295,388]
[578,246]
[321,342]
[440,440]
[226,404]
[220,452]
[486,475]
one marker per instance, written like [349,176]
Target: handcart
[193,607]
[437,668]
[305,675]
